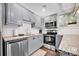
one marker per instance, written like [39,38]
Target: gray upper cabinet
[8,14]
[16,14]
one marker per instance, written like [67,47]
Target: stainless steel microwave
[51,25]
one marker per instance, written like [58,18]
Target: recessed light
[44,8]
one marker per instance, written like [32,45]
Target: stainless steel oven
[50,37]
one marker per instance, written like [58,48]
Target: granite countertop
[70,43]
[9,38]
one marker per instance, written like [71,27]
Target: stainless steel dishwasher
[13,49]
[16,48]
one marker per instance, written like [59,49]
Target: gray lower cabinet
[24,47]
[40,37]
[34,43]
[17,48]
[58,41]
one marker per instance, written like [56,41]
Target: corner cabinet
[34,43]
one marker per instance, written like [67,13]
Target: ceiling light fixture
[44,8]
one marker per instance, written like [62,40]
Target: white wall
[71,29]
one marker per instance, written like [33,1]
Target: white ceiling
[51,8]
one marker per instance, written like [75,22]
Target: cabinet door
[39,41]
[11,13]
[14,13]
[40,37]
[34,43]
[31,45]
[58,41]
[8,13]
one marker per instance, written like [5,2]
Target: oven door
[50,39]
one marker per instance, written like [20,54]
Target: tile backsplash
[24,29]
[7,31]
